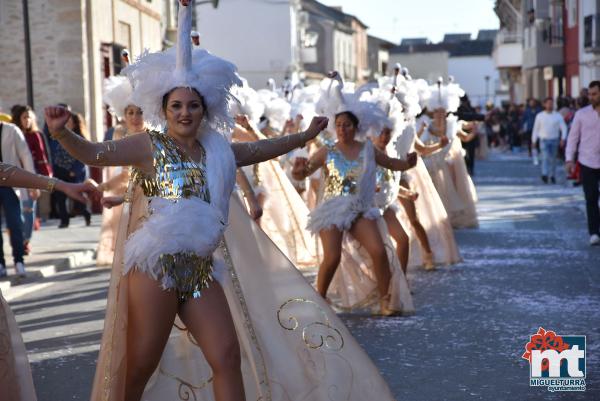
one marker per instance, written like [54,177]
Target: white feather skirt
[339,212]
[185,225]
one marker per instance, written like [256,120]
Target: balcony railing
[591,33]
[505,37]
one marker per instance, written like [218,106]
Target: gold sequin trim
[265,390]
[187,273]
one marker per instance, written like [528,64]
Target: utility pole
[27,38]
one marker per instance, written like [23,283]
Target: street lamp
[487,88]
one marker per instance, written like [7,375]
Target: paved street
[528,266]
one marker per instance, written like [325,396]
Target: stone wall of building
[66,39]
[57,49]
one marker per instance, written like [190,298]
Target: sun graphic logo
[556,362]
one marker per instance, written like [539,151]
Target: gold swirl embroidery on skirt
[317,334]
[186,389]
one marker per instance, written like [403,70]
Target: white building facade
[261,38]
[589,43]
[478,76]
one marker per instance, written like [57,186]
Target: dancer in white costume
[16,383]
[346,207]
[117,95]
[448,174]
[258,331]
[285,214]
[433,242]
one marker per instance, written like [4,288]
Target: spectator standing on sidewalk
[550,128]
[14,150]
[584,144]
[70,170]
[24,117]
[531,111]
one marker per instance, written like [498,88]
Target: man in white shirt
[13,150]
[550,128]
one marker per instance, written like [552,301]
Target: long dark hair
[350,115]
[79,126]
[17,112]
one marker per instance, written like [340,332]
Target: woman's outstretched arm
[13,176]
[426,150]
[395,164]
[305,167]
[135,150]
[247,153]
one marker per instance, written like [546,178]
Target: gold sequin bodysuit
[176,177]
[342,175]
[386,190]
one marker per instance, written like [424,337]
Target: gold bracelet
[51,184]
[109,148]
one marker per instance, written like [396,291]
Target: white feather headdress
[248,102]
[337,98]
[445,96]
[117,94]
[155,74]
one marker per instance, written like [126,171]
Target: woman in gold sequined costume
[389,191]
[16,383]
[193,311]
[346,206]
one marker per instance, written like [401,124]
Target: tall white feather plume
[155,74]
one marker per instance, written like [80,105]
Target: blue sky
[397,19]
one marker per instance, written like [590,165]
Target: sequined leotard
[176,177]
[387,187]
[342,174]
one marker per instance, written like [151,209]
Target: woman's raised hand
[317,125]
[56,118]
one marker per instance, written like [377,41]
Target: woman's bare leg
[209,320]
[399,235]
[332,253]
[366,232]
[411,212]
[151,312]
